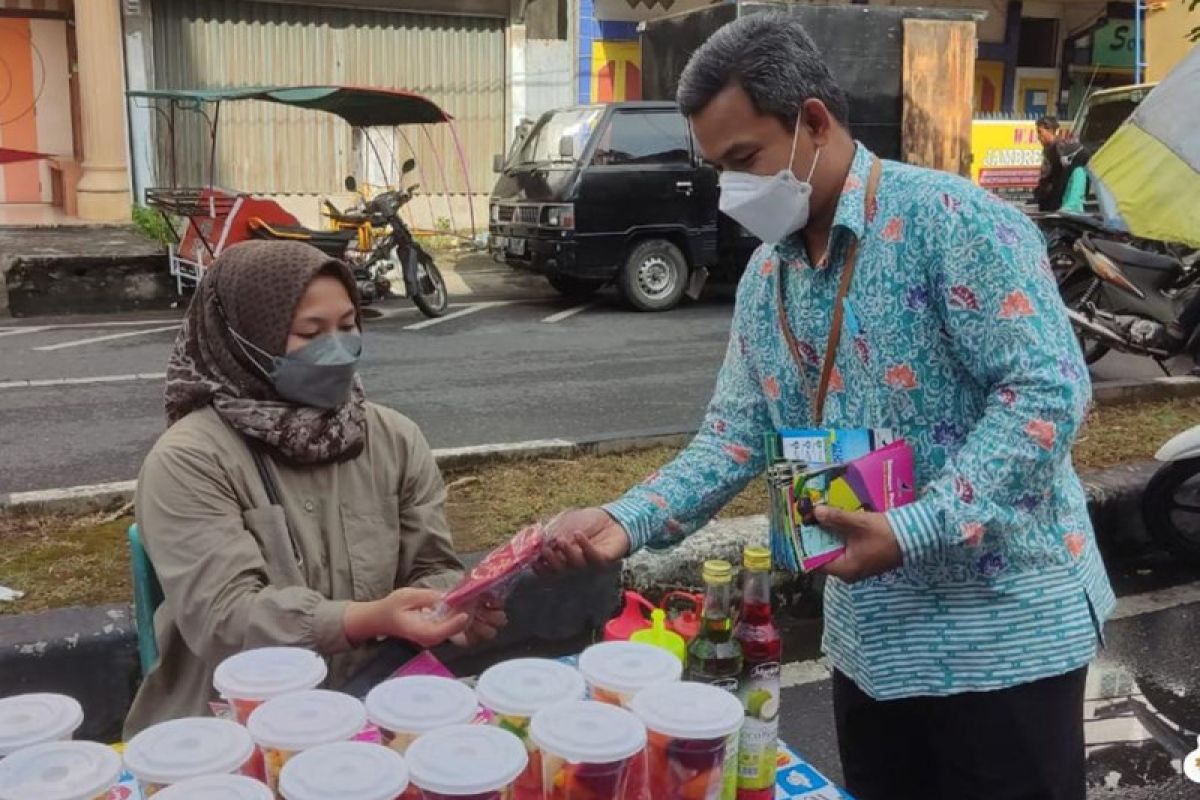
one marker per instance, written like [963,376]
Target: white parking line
[471,309]
[19,331]
[40,382]
[123,323]
[570,312]
[106,338]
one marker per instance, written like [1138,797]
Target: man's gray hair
[772,58]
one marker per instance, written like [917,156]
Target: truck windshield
[1104,115]
[543,142]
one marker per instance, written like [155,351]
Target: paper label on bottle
[760,732]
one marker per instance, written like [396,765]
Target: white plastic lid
[689,710]
[466,759]
[301,720]
[421,703]
[524,686]
[29,719]
[586,732]
[217,787]
[59,771]
[178,749]
[268,672]
[628,666]
[344,771]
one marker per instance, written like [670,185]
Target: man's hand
[586,537]
[403,614]
[871,546]
[486,622]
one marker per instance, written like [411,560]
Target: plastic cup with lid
[60,771]
[616,671]
[344,771]
[405,708]
[292,723]
[217,787]
[692,739]
[466,762]
[588,749]
[516,690]
[174,751]
[29,719]
[250,678]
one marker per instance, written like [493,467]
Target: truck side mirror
[497,163]
[351,184]
[408,166]
[566,147]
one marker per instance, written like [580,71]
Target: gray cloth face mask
[320,374]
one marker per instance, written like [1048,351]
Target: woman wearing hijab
[281,507]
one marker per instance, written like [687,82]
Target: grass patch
[60,561]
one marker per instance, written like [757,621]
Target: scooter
[393,252]
[1171,502]
[1126,297]
[1062,230]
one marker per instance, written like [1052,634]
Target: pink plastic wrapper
[492,579]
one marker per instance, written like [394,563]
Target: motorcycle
[1126,296]
[393,252]
[1171,502]
[1062,230]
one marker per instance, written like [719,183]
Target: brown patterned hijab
[258,285]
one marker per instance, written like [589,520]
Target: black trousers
[1023,743]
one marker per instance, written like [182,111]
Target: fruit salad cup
[292,723]
[60,771]
[616,671]
[516,690]
[466,762]
[588,749]
[405,708]
[174,751]
[29,719]
[692,740]
[211,787]
[250,678]
[345,771]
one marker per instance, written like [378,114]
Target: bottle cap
[659,636]
[757,558]
[717,571]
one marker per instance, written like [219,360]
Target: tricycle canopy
[360,106]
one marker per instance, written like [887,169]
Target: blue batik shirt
[957,340]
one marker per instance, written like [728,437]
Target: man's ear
[817,120]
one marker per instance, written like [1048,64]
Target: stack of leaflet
[852,469]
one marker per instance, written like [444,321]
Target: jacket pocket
[269,527]
[373,542]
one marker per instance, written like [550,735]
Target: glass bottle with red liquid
[761,648]
[714,656]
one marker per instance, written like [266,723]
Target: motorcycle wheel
[434,303]
[1171,508]
[1073,292]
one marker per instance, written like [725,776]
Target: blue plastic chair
[147,597]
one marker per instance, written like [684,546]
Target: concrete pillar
[103,189]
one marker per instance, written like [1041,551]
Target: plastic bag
[493,578]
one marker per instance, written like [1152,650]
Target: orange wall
[19,183]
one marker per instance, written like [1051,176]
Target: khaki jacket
[229,571]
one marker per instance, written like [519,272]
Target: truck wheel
[575,288]
[654,276]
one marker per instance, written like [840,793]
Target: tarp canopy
[1148,172]
[11,156]
[359,106]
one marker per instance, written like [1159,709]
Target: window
[644,138]
[1038,43]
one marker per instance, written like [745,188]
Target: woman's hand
[403,614]
[582,538]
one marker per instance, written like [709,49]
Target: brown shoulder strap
[835,329]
